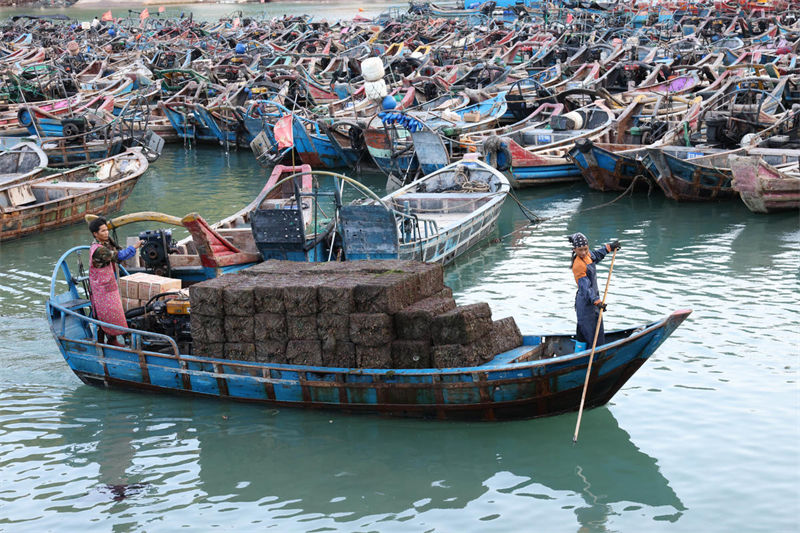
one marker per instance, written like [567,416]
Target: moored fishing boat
[765,188]
[542,376]
[433,219]
[20,163]
[61,199]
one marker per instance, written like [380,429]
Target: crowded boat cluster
[455,106]
[695,99]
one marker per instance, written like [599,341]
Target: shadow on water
[352,467]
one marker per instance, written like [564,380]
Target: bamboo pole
[594,345]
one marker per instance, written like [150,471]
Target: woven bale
[505,335]
[238,296]
[300,296]
[447,292]
[269,326]
[374,356]
[333,326]
[453,356]
[462,325]
[240,351]
[207,329]
[302,327]
[274,267]
[411,354]
[414,322]
[371,329]
[271,351]
[207,297]
[268,296]
[336,295]
[209,349]
[481,349]
[304,352]
[429,276]
[239,328]
[387,292]
[340,354]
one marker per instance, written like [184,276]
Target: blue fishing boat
[315,148]
[188,125]
[434,219]
[544,376]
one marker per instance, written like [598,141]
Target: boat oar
[594,345]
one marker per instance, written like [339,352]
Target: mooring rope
[536,219]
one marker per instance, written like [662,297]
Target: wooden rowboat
[763,187]
[62,199]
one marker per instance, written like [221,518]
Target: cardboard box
[150,285]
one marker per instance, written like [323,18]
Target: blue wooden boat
[188,125]
[434,219]
[315,148]
[543,377]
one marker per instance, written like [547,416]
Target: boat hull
[494,391]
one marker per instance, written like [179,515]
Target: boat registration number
[692,155]
[544,138]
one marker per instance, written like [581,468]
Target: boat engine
[158,244]
[169,318]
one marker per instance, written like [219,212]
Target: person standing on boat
[587,298]
[104,256]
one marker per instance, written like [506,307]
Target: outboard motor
[155,251]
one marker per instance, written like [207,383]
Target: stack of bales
[362,314]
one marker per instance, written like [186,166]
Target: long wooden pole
[594,345]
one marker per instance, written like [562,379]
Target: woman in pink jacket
[105,254]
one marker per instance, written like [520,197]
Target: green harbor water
[703,438]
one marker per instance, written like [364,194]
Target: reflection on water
[106,451]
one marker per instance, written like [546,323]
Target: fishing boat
[21,162]
[433,219]
[765,188]
[61,199]
[542,377]
[220,248]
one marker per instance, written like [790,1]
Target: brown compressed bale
[240,351]
[209,349]
[482,349]
[207,329]
[411,354]
[300,296]
[239,328]
[269,326]
[336,295]
[505,335]
[268,296]
[339,354]
[371,329]
[462,325]
[271,351]
[447,292]
[333,326]
[431,278]
[453,356]
[304,353]
[385,293]
[302,327]
[238,297]
[274,267]
[206,298]
[414,322]
[374,356]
